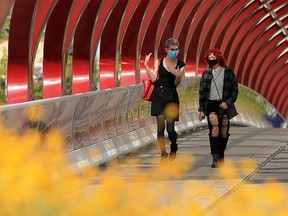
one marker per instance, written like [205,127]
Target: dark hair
[218,54]
[171,41]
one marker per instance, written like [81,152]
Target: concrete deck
[252,156]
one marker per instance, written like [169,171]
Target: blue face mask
[173,54]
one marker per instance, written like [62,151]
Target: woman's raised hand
[147,58]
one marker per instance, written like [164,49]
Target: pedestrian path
[252,154]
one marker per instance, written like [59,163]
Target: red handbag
[148,89]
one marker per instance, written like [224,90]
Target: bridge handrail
[102,125]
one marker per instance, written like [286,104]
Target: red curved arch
[277,63]
[283,107]
[264,48]
[224,24]
[5,8]
[43,10]
[259,37]
[147,33]
[188,13]
[262,68]
[246,36]
[183,17]
[230,41]
[167,13]
[193,36]
[281,93]
[207,32]
[275,84]
[125,63]
[252,35]
[19,77]
[168,31]
[102,17]
[108,44]
[82,72]
[54,83]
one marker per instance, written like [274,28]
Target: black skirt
[165,101]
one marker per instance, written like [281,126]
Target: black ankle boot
[174,149]
[215,163]
[164,157]
[221,158]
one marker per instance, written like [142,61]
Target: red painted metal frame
[258,37]
[147,34]
[224,24]
[266,86]
[5,8]
[207,32]
[43,10]
[127,30]
[129,47]
[278,84]
[261,54]
[103,15]
[169,29]
[281,93]
[266,61]
[82,70]
[193,36]
[19,78]
[76,12]
[108,78]
[125,61]
[183,17]
[130,63]
[192,7]
[159,48]
[283,99]
[54,79]
[229,41]
[246,37]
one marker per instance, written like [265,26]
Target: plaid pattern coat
[230,89]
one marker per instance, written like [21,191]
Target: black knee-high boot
[214,146]
[215,163]
[223,145]
[173,146]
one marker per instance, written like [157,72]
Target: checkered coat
[230,89]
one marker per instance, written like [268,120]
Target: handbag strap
[216,86]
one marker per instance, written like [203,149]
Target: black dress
[165,94]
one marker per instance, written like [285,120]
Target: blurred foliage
[68,72]
[38,86]
[3,75]
[34,180]
[4,33]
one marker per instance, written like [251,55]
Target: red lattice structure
[252,34]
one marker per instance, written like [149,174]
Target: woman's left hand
[176,71]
